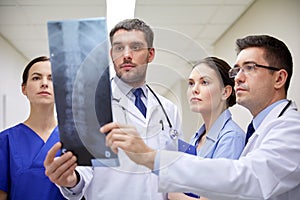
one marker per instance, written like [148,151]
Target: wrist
[76,180]
[149,158]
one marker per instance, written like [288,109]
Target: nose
[240,76]
[195,89]
[44,82]
[127,53]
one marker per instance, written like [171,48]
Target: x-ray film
[80,72]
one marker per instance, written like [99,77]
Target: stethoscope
[285,108]
[173,133]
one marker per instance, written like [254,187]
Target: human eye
[118,48]
[204,82]
[136,47]
[249,67]
[191,83]
[35,78]
[50,78]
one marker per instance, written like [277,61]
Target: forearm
[146,159]
[3,195]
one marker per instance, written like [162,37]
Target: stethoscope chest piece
[173,134]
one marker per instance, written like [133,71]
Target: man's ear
[227,90]
[110,52]
[151,55]
[280,78]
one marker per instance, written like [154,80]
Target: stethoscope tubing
[163,109]
[173,133]
[285,107]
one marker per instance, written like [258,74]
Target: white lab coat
[269,167]
[131,181]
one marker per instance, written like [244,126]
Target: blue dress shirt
[225,139]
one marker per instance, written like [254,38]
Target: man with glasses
[269,167]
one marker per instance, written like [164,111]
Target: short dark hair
[276,53]
[29,65]
[221,68]
[134,24]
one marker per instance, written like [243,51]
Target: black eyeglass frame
[254,65]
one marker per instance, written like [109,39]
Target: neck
[134,84]
[41,118]
[210,118]
[257,108]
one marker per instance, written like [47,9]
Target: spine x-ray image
[80,71]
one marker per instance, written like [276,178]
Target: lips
[44,93]
[127,65]
[240,89]
[195,99]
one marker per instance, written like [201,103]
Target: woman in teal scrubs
[23,147]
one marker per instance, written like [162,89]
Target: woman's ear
[24,89]
[227,90]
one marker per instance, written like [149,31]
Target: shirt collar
[127,89]
[216,128]
[262,115]
[124,87]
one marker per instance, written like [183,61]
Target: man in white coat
[131,51]
[269,167]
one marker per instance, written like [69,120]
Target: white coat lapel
[131,108]
[123,101]
[252,143]
[152,104]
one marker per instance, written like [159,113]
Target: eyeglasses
[248,68]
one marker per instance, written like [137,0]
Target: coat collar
[271,116]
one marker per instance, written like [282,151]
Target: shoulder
[8,135]
[231,124]
[289,119]
[292,113]
[11,130]
[232,129]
